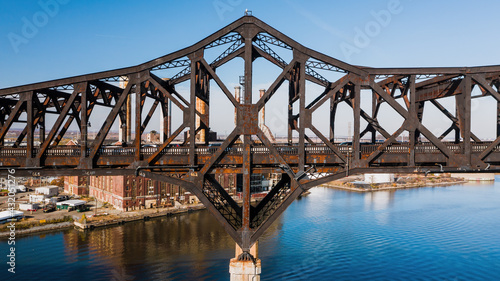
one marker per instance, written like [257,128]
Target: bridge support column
[246,270]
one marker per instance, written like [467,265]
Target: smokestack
[169,117]
[124,132]
[262,121]
[169,124]
[165,126]
[128,111]
[349,130]
[262,112]
[162,126]
[237,96]
[120,130]
[201,106]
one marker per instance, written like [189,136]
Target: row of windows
[139,186]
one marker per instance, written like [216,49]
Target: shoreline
[39,229]
[147,214]
[137,217]
[386,188]
[118,219]
[124,218]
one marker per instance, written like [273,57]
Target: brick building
[76,185]
[153,137]
[129,193]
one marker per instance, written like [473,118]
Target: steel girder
[300,165]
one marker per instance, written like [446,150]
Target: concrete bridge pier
[246,269]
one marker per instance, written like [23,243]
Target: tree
[58,182]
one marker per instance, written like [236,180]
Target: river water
[439,233]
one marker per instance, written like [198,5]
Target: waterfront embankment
[124,217]
[91,220]
[39,228]
[354,183]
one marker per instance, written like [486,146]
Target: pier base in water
[245,270]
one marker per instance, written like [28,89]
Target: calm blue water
[442,233]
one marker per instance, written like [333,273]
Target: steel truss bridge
[303,164]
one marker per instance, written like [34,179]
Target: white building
[52,200]
[379,178]
[73,204]
[20,188]
[50,190]
[6,216]
[37,198]
[28,206]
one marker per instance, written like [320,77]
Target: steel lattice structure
[302,165]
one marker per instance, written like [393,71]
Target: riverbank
[39,229]
[109,217]
[124,217]
[403,182]
[88,220]
[121,218]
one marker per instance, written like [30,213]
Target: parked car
[82,208]
[149,145]
[49,208]
[63,198]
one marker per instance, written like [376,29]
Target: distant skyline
[51,39]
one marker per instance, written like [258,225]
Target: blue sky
[78,37]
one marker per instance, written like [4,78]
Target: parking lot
[39,214]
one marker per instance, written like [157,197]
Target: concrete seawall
[42,228]
[136,217]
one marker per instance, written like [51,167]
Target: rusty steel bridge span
[247,150]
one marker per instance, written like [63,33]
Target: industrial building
[49,191]
[129,193]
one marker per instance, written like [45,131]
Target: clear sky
[50,39]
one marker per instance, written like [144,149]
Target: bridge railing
[148,150]
[62,151]
[455,147]
[318,149]
[260,150]
[284,149]
[119,151]
[13,152]
[168,150]
[426,148]
[480,147]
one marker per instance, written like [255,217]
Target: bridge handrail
[284,149]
